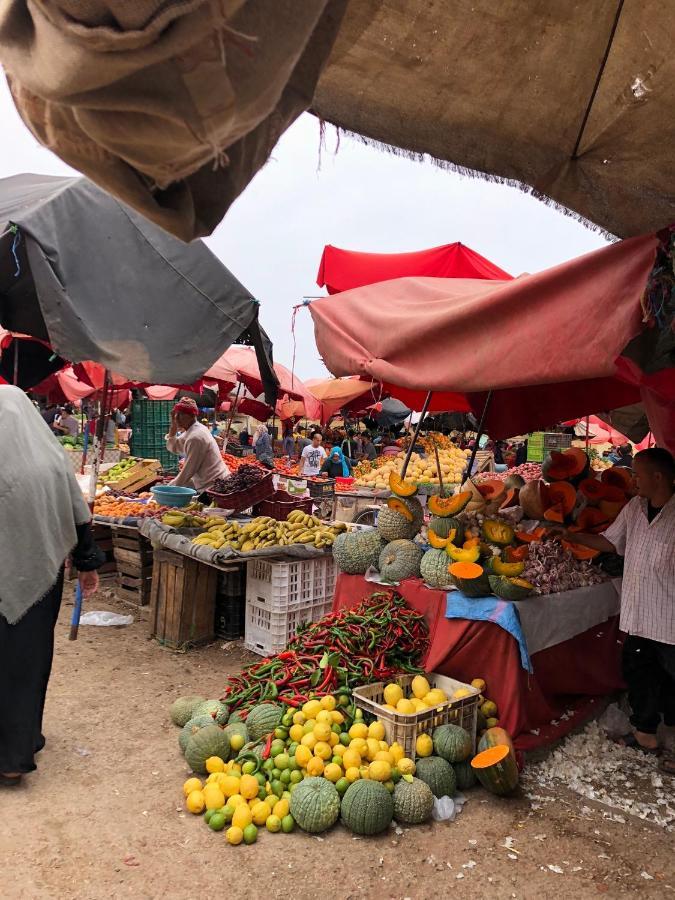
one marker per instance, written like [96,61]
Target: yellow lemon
[384,755]
[462,692]
[236,742]
[376,730]
[337,717]
[308,727]
[213,777]
[332,772]
[384,745]
[406,766]
[392,694]
[389,707]
[248,787]
[424,746]
[359,730]
[192,784]
[419,704]
[351,758]
[489,709]
[328,702]
[235,800]
[214,764]
[296,733]
[260,812]
[323,750]
[299,718]
[373,748]
[325,716]
[363,772]
[242,816]
[420,687]
[235,769]
[311,708]
[273,824]
[322,731]
[379,770]
[405,706]
[309,740]
[359,745]
[434,697]
[333,740]
[303,755]
[195,802]
[234,835]
[339,749]
[213,796]
[281,808]
[315,766]
[396,751]
[352,773]
[479,684]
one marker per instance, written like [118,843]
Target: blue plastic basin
[171,495]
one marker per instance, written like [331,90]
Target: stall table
[569,676]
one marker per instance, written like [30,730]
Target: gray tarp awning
[100,282]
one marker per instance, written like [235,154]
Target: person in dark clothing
[335,465]
[49,413]
[368,448]
[625,456]
[521,453]
[243,437]
[43,519]
[350,446]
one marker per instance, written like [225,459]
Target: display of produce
[245,477]
[470,578]
[508,588]
[496,770]
[566,465]
[527,471]
[550,568]
[122,508]
[421,469]
[264,531]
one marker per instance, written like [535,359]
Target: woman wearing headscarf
[187,437]
[262,446]
[335,465]
[43,518]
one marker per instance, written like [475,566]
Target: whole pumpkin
[263,719]
[413,801]
[444,526]
[367,807]
[208,741]
[214,708]
[183,709]
[315,804]
[464,775]
[399,560]
[192,727]
[438,774]
[434,568]
[392,525]
[452,742]
[356,551]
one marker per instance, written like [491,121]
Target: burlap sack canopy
[173,105]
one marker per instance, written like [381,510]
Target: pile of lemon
[423,696]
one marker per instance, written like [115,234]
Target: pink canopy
[336,393]
[342,270]
[547,344]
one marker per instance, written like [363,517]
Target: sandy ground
[103,817]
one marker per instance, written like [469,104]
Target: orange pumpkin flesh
[466,570]
[400,508]
[448,506]
[614,494]
[565,465]
[531,537]
[492,489]
[564,494]
[555,513]
[470,543]
[438,542]
[592,489]
[517,554]
[400,487]
[611,509]
[580,552]
[618,477]
[589,519]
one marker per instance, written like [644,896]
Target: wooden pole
[438,469]
[97,442]
[472,459]
[233,410]
[425,407]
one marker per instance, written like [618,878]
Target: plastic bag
[101,617]
[446,809]
[614,721]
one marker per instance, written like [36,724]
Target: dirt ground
[103,815]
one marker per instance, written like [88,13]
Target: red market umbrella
[546,344]
[336,393]
[342,270]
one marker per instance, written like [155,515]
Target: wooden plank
[180,603]
[134,571]
[154,600]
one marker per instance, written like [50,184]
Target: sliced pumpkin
[614,494]
[401,508]
[516,554]
[580,552]
[555,513]
[508,569]
[400,487]
[459,554]
[618,477]
[589,519]
[611,509]
[565,465]
[471,542]
[448,506]
[438,542]
[469,578]
[498,532]
[563,493]
[531,537]
[510,498]
[592,489]
[491,489]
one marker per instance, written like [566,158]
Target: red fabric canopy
[547,344]
[342,270]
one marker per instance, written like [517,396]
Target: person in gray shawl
[43,519]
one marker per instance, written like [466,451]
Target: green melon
[315,805]
[214,708]
[413,802]
[192,727]
[393,526]
[183,709]
[367,807]
[434,568]
[452,743]
[263,719]
[355,552]
[400,560]
[464,775]
[208,741]
[438,774]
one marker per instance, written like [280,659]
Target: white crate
[290,585]
[269,632]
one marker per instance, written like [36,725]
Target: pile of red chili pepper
[374,641]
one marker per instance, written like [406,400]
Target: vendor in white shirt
[189,438]
[312,456]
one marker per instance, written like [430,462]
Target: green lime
[277,788]
[341,785]
[262,793]
[292,786]
[285,777]
[286,795]
[296,776]
[358,714]
[282,761]
[292,748]
[250,834]
[337,760]
[248,768]
[260,778]
[287,719]
[273,824]
[208,814]
[343,700]
[217,821]
[277,748]
[336,729]
[281,733]
[275,773]
[344,739]
[268,765]
[287,824]
[228,812]
[395,775]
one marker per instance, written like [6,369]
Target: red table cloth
[535,709]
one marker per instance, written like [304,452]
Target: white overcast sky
[360,199]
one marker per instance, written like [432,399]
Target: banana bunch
[178,519]
[219,533]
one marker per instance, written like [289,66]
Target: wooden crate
[103,539]
[182,601]
[134,561]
